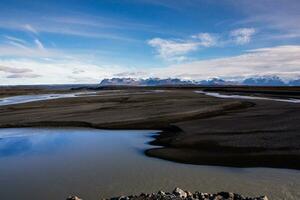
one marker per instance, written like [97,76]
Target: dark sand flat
[196,128]
[134,109]
[265,135]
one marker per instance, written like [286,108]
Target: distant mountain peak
[143,82]
[264,81]
[154,81]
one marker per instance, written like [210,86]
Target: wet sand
[196,128]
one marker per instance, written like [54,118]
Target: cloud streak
[39,44]
[18,76]
[19,48]
[14,70]
[29,28]
[17,72]
[78,24]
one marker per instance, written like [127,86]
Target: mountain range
[252,81]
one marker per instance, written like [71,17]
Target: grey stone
[179,192]
[263,198]
[73,198]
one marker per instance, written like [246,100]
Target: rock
[226,195]
[189,194]
[143,195]
[263,198]
[218,197]
[73,198]
[201,196]
[179,192]
[238,197]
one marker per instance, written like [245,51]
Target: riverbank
[197,129]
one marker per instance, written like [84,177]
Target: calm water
[49,164]
[39,97]
[42,97]
[232,96]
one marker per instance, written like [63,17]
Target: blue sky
[46,42]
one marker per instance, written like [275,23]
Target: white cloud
[206,39]
[242,35]
[36,64]
[176,49]
[283,61]
[54,72]
[170,48]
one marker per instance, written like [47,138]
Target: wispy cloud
[30,61]
[206,39]
[37,41]
[281,60]
[170,48]
[18,76]
[39,45]
[62,29]
[176,49]
[278,18]
[14,70]
[17,72]
[14,39]
[74,24]
[16,44]
[30,28]
[17,47]
[53,72]
[242,35]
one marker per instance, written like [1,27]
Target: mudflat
[196,128]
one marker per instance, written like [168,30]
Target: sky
[85,41]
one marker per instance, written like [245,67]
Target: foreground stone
[179,194]
[73,198]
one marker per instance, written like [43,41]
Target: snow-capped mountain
[251,81]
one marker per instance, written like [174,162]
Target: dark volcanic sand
[198,129]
